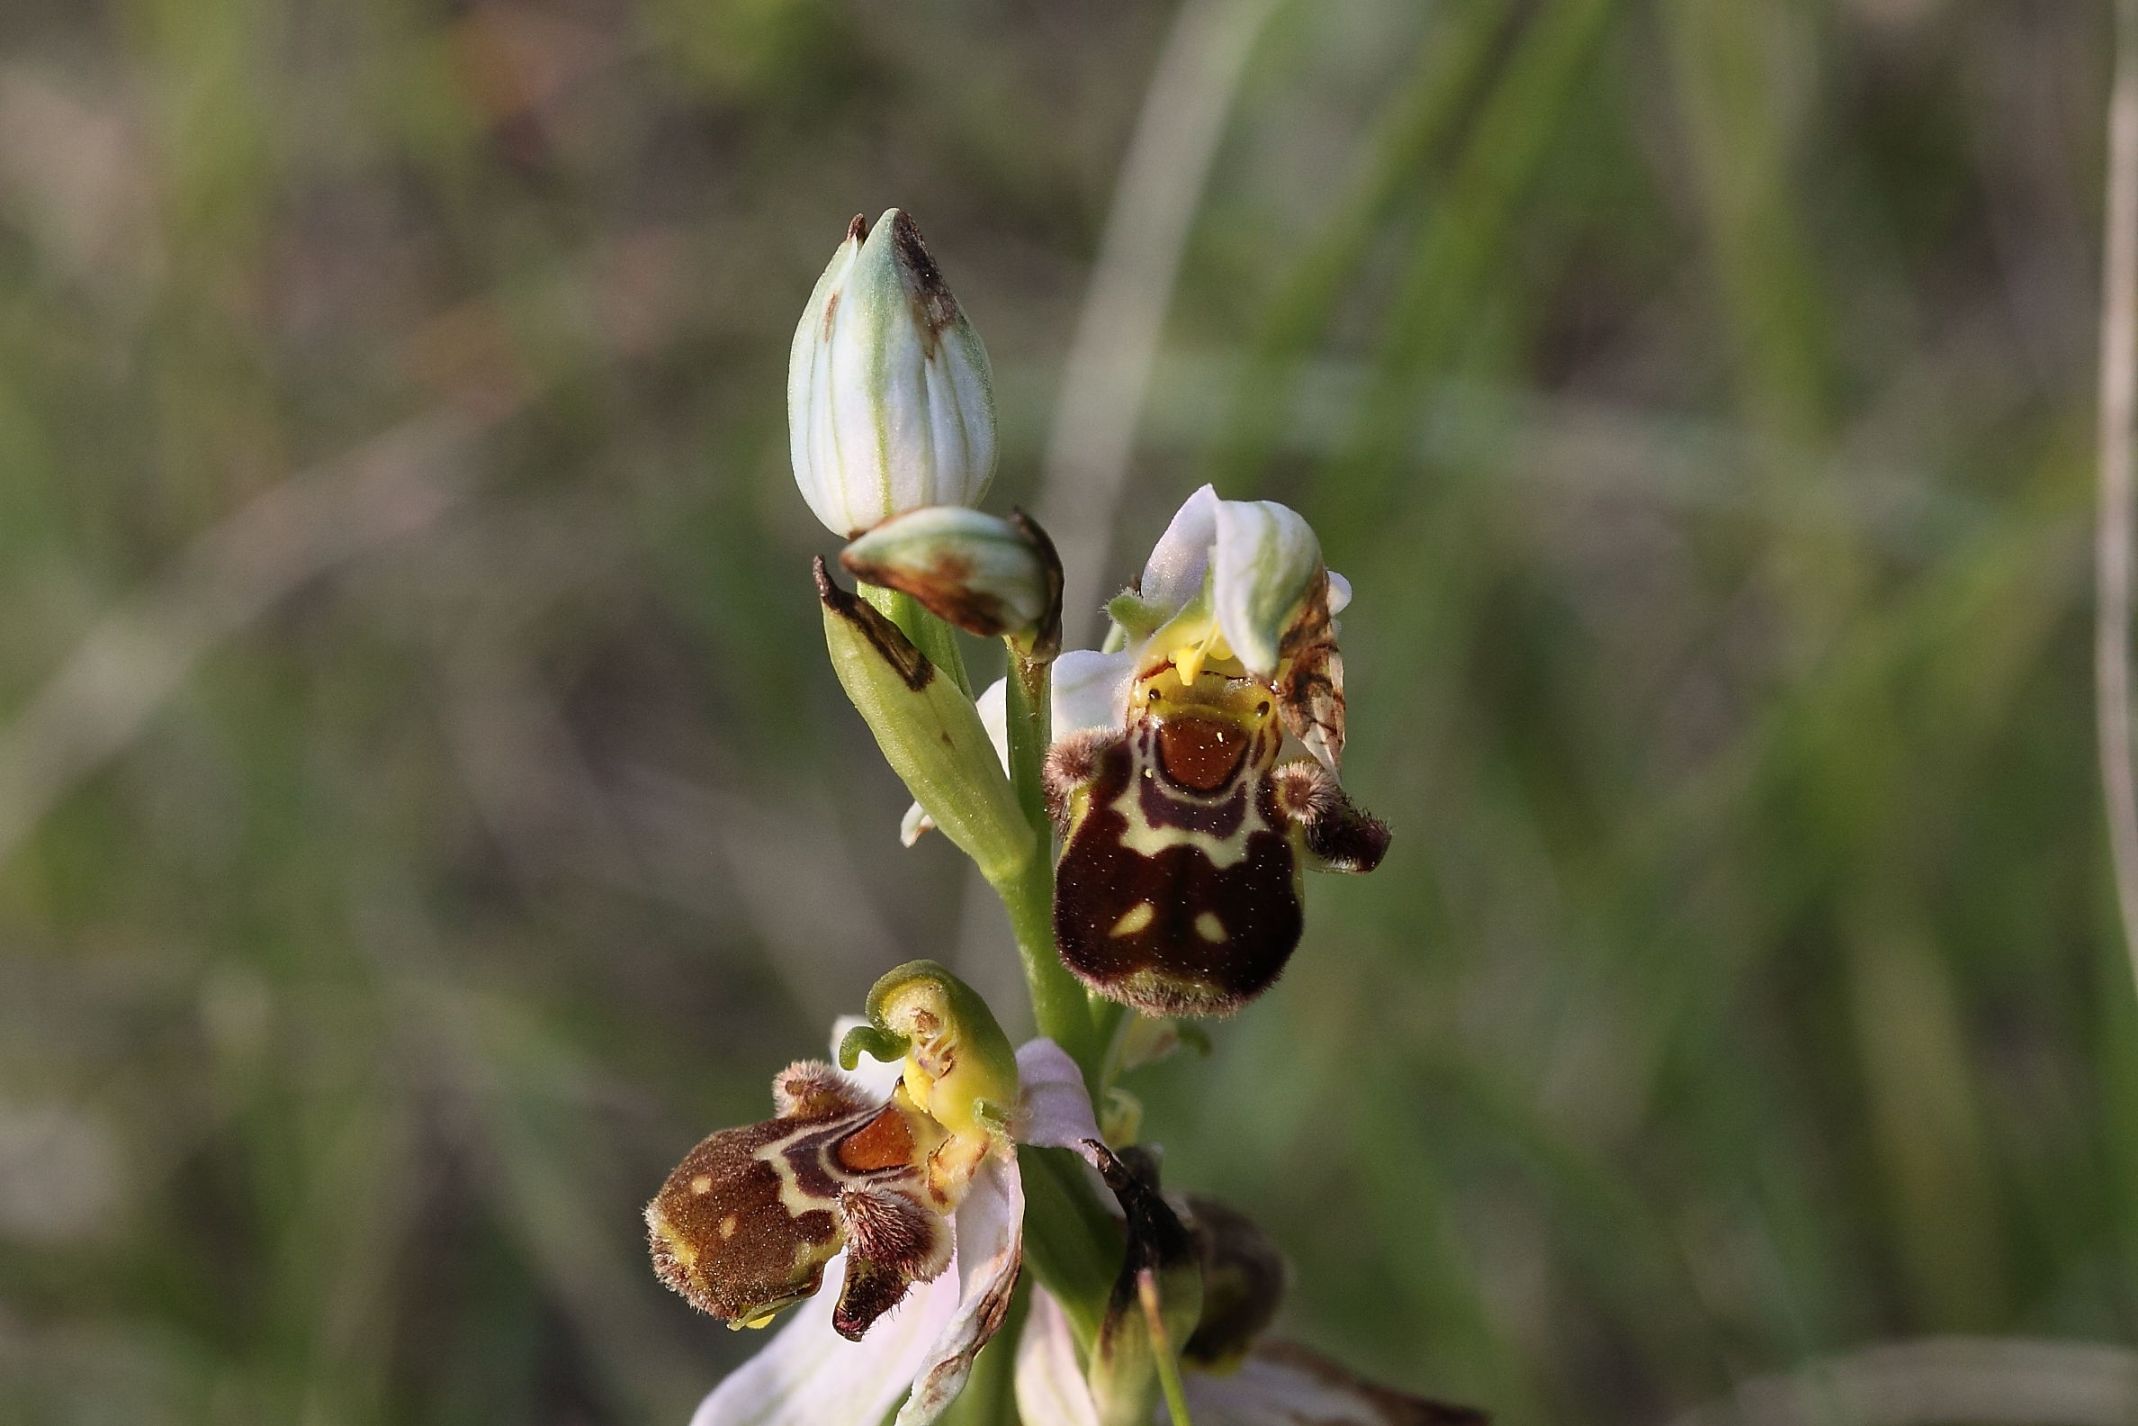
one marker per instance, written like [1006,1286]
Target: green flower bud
[1244,1281]
[890,402]
[928,730]
[987,575]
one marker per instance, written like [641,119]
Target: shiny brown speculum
[1178,890]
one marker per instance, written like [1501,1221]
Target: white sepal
[1049,1384]
[1174,573]
[1091,691]
[1266,563]
[990,1234]
[808,1374]
[1056,1112]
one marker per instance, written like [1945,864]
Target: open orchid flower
[1180,774]
[893,1187]
[1185,823]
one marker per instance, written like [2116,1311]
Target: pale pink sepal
[990,1232]
[1174,573]
[1049,1384]
[808,1375]
[1056,1113]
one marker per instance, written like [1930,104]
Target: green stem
[1028,703]
[1059,1005]
[1168,1358]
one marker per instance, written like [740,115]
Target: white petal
[1050,1387]
[876,1078]
[1339,593]
[1282,1385]
[1266,558]
[1091,690]
[808,1374]
[1057,1111]
[993,708]
[914,825]
[990,1233]
[1174,573]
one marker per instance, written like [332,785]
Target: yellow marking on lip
[679,1247]
[1134,919]
[1209,927]
[1147,839]
[727,1226]
[702,1184]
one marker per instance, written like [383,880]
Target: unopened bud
[1156,1300]
[1244,1280]
[890,405]
[987,575]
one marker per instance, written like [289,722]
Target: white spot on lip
[1209,927]
[1134,919]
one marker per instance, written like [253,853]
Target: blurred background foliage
[424,809]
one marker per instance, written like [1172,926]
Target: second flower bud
[989,576]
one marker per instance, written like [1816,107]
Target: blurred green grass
[1696,395]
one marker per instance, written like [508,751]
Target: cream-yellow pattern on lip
[1134,919]
[1146,839]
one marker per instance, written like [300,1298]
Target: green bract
[928,730]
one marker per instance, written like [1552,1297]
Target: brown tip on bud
[889,642]
[931,295]
[858,230]
[1048,641]
[944,588]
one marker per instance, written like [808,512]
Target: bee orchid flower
[883,1204]
[1194,771]
[820,1368]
